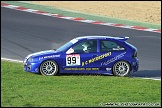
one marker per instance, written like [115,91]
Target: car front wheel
[121,68]
[49,68]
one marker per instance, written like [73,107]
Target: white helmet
[86,45]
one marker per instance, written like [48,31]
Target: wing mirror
[71,50]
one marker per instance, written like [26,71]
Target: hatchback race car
[86,54]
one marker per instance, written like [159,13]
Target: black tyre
[49,68]
[121,68]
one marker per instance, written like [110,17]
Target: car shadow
[140,73]
[80,74]
[146,73]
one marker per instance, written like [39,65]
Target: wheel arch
[122,60]
[50,60]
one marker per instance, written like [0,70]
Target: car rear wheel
[49,68]
[121,68]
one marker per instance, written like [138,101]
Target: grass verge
[23,89]
[83,15]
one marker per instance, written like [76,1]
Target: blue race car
[86,54]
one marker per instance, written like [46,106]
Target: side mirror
[70,51]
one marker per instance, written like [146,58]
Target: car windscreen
[64,47]
[67,45]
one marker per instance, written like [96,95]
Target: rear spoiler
[122,38]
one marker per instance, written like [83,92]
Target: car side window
[86,47]
[110,46]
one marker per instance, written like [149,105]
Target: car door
[110,52]
[78,56]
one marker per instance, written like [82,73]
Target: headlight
[30,59]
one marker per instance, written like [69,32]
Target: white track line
[152,79]
[12,60]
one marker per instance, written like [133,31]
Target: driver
[86,46]
[90,47]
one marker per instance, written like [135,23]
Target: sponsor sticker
[92,60]
[85,69]
[50,56]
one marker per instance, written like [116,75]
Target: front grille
[29,67]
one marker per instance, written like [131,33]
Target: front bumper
[31,67]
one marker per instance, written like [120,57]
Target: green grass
[23,89]
[84,15]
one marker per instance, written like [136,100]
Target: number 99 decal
[72,60]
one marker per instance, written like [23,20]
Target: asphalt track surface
[23,33]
